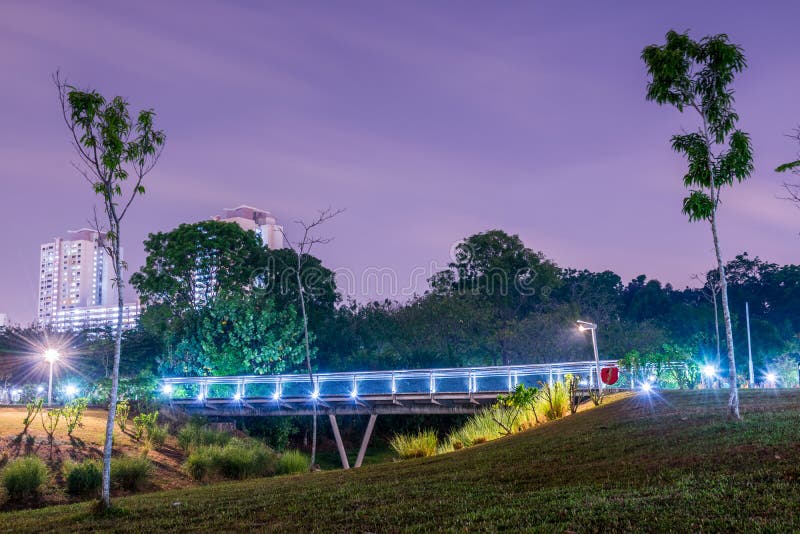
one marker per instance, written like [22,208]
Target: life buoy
[609,375]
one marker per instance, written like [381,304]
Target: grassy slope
[675,464]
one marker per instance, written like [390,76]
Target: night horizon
[408,139]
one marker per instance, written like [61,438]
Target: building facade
[75,283]
[261,222]
[4,321]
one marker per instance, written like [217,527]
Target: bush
[479,428]
[83,478]
[73,414]
[418,445]
[239,459]
[156,437]
[23,477]
[123,410]
[143,424]
[130,473]
[292,462]
[554,401]
[32,410]
[195,435]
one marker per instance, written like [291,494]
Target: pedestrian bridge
[462,390]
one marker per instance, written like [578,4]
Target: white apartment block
[261,222]
[94,317]
[4,321]
[75,276]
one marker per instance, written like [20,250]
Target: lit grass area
[637,463]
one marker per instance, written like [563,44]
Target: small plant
[292,462]
[143,424]
[32,410]
[50,420]
[239,459]
[83,478]
[509,407]
[155,437]
[199,464]
[23,477]
[73,414]
[572,382]
[556,401]
[130,473]
[479,428]
[418,445]
[123,411]
[30,440]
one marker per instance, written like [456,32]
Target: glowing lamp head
[709,371]
[166,389]
[354,394]
[276,395]
[200,398]
[647,387]
[772,378]
[51,355]
[237,396]
[581,328]
[314,395]
[71,390]
[39,389]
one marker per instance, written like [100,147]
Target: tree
[697,75]
[302,249]
[111,148]
[794,166]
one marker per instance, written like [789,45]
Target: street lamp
[50,356]
[583,326]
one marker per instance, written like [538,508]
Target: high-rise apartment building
[75,286]
[261,222]
[4,322]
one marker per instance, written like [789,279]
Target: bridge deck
[419,391]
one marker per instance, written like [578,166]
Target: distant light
[15,392]
[772,378]
[39,389]
[709,371]
[51,355]
[200,398]
[314,395]
[354,394]
[652,378]
[581,328]
[276,395]
[237,396]
[647,387]
[71,390]
[166,389]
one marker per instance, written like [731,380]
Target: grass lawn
[670,463]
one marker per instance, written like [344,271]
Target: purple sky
[428,121]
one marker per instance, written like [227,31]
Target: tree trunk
[308,361]
[716,324]
[112,407]
[733,400]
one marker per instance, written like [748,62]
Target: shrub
[156,437]
[73,414]
[195,435]
[144,423]
[556,398]
[123,411]
[292,462]
[418,445]
[130,473]
[83,478]
[239,459]
[23,477]
[32,410]
[50,420]
[479,428]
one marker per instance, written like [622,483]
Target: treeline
[219,302]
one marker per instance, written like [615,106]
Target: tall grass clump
[195,435]
[292,462]
[418,445]
[23,477]
[479,428]
[130,473]
[83,478]
[238,459]
[553,401]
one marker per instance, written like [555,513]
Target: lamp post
[583,326]
[51,356]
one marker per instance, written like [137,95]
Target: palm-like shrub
[415,445]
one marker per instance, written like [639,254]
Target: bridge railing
[462,381]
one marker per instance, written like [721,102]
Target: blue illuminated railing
[452,383]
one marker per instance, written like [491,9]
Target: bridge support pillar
[339,445]
[365,441]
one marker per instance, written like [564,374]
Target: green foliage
[571,382]
[139,389]
[511,406]
[415,445]
[673,365]
[479,428]
[73,413]
[130,473]
[239,459]
[123,411]
[554,400]
[143,424]
[50,420]
[291,462]
[32,409]
[83,478]
[156,437]
[195,435]
[23,477]
[785,367]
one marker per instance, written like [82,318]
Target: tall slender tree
[697,76]
[115,154]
